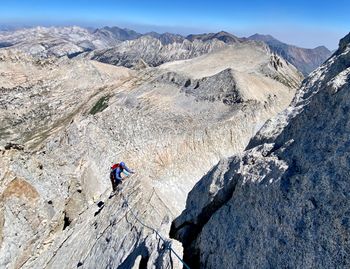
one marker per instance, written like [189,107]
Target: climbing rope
[167,243]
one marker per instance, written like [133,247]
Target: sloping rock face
[306,60]
[66,121]
[284,202]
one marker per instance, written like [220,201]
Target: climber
[115,174]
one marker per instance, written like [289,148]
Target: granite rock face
[284,201]
[64,121]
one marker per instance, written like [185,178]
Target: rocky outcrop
[306,60]
[283,202]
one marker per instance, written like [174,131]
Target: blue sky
[304,23]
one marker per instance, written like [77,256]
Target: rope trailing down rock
[167,243]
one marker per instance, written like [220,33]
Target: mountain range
[72,41]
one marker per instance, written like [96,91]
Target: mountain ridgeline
[116,46]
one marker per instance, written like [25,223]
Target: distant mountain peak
[306,60]
[261,37]
[119,33]
[222,35]
[268,39]
[166,38]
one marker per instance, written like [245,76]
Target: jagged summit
[283,202]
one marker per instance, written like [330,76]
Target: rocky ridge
[153,52]
[284,201]
[75,117]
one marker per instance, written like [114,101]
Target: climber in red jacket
[115,174]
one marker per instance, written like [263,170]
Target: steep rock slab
[284,202]
[110,235]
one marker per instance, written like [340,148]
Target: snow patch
[339,81]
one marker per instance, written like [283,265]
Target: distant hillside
[306,60]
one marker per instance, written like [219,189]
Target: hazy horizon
[308,25]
